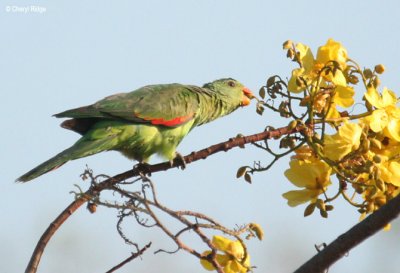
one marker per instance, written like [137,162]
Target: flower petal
[292,84]
[332,51]
[306,57]
[344,96]
[343,142]
[311,175]
[298,197]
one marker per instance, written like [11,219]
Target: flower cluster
[233,260]
[324,77]
[362,152]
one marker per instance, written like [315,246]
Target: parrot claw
[178,161]
[143,168]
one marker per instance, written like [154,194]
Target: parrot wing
[169,105]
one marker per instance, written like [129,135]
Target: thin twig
[129,259]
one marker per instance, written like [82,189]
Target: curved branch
[147,169]
[53,227]
[354,236]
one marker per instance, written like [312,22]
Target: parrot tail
[82,148]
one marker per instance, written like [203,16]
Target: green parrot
[150,120]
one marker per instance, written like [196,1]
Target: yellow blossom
[306,57]
[293,85]
[346,139]
[310,69]
[390,172]
[386,117]
[312,174]
[338,79]
[390,149]
[303,153]
[231,260]
[344,96]
[332,51]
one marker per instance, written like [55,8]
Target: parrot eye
[231,84]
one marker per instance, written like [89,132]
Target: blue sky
[76,52]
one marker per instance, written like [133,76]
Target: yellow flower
[386,117]
[332,51]
[344,96]
[231,260]
[389,166]
[303,153]
[306,71]
[311,174]
[306,57]
[311,68]
[388,149]
[346,139]
[390,172]
[338,79]
[293,85]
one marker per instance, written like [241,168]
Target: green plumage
[151,120]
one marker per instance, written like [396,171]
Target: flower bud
[292,124]
[380,185]
[257,230]
[309,209]
[329,207]
[92,207]
[367,73]
[377,159]
[376,82]
[323,213]
[287,44]
[380,200]
[353,79]
[379,68]
[376,143]
[370,207]
[320,204]
[291,53]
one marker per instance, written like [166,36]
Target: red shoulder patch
[169,122]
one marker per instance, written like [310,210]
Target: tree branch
[97,188]
[357,234]
[53,227]
[129,259]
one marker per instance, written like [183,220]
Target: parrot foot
[143,168]
[178,161]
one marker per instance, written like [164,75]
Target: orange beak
[248,95]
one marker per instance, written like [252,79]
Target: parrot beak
[248,95]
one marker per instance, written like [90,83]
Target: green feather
[151,120]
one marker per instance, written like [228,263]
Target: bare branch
[53,227]
[357,234]
[129,259]
[95,189]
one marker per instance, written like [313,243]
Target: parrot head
[231,91]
